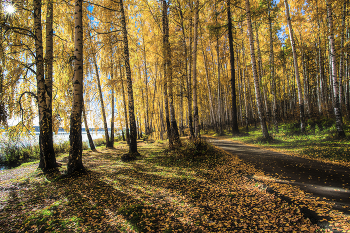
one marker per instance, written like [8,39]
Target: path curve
[322,179]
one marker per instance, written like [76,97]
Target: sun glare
[9,9]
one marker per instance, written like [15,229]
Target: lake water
[58,138]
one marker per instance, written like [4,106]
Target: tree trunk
[103,112]
[111,141]
[91,142]
[48,78]
[272,71]
[181,128]
[337,112]
[233,78]
[219,121]
[174,132]
[75,163]
[195,42]
[161,133]
[127,134]
[245,90]
[133,132]
[305,75]
[296,69]
[256,80]
[147,129]
[341,60]
[47,154]
[189,85]
[209,89]
[187,73]
[347,85]
[261,73]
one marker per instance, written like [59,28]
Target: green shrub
[86,146]
[196,147]
[100,142]
[118,138]
[62,147]
[13,153]
[145,137]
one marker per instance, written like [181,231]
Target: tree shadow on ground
[154,193]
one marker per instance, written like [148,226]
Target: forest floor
[192,189]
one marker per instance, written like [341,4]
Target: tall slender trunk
[49,74]
[347,85]
[3,112]
[111,141]
[47,154]
[165,70]
[219,121]
[256,80]
[161,118]
[261,73]
[240,81]
[245,90]
[174,132]
[103,112]
[306,82]
[341,60]
[337,112]
[154,94]
[212,116]
[318,88]
[147,129]
[75,162]
[127,133]
[185,69]
[189,77]
[194,80]
[233,77]
[272,71]
[323,90]
[296,70]
[181,127]
[48,78]
[91,142]
[133,132]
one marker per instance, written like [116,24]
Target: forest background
[170,68]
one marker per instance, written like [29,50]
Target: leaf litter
[160,192]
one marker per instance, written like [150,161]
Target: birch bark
[133,132]
[337,112]
[75,163]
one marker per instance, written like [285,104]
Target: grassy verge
[320,142]
[196,188]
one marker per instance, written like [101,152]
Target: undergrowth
[320,140]
[13,153]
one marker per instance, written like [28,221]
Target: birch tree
[233,77]
[337,112]
[75,162]
[126,56]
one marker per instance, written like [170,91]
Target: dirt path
[325,180]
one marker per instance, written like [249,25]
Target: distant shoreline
[37,129]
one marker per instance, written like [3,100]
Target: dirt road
[321,179]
